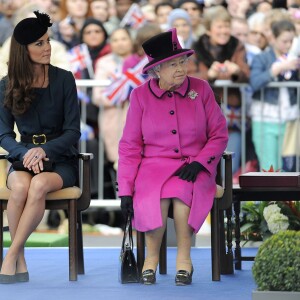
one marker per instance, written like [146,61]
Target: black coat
[56,113]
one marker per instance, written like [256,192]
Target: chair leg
[215,242]
[73,257]
[80,244]
[225,242]
[1,232]
[163,255]
[140,244]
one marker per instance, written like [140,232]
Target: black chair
[222,202]
[72,199]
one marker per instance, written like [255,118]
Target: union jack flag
[79,59]
[119,90]
[233,116]
[134,17]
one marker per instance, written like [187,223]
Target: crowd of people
[163,120]
[101,39]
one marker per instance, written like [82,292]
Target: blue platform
[48,268]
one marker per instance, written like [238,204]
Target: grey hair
[153,71]
[256,19]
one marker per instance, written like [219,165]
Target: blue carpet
[48,268]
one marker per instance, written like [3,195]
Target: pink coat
[163,131]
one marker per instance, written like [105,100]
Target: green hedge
[277,263]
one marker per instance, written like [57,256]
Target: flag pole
[88,61]
[128,14]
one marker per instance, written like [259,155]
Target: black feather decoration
[43,18]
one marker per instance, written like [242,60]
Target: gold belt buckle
[37,136]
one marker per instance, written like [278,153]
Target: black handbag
[18,166]
[128,272]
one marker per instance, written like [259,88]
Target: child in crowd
[276,106]
[240,29]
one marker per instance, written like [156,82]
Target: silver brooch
[192,94]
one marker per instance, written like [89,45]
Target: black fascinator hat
[30,30]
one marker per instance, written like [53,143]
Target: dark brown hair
[18,95]
[281,26]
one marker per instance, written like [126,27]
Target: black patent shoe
[148,277]
[184,277]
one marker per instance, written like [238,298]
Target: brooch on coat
[192,94]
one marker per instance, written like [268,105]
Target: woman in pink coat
[174,137]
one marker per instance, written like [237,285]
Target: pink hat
[163,47]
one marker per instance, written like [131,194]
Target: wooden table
[256,194]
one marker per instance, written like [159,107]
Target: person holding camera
[220,56]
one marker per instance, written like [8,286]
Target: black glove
[190,171]
[126,206]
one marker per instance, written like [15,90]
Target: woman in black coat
[42,101]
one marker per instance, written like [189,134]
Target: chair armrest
[85,199]
[3,156]
[228,155]
[86,156]
[227,197]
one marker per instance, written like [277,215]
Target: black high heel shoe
[148,277]
[184,277]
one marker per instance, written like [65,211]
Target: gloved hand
[190,171]
[126,205]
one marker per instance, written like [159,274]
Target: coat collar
[159,93]
[207,53]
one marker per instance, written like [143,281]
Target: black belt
[39,139]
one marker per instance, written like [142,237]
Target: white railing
[83,84]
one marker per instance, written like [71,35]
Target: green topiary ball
[277,263]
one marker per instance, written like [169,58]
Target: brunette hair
[162,4]
[125,29]
[282,26]
[18,94]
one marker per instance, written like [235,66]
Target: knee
[19,192]
[152,234]
[38,187]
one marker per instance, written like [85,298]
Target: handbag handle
[128,232]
